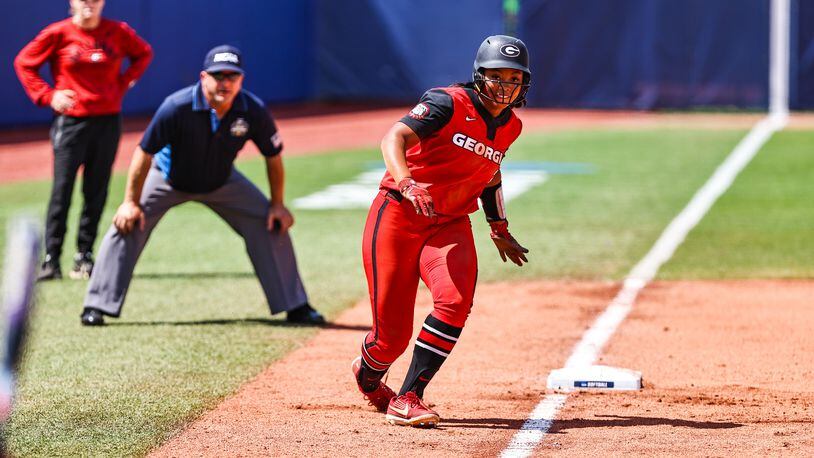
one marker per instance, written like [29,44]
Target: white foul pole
[779,51]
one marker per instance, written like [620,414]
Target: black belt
[395,194]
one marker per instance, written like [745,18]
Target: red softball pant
[398,248]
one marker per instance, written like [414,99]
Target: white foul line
[588,348]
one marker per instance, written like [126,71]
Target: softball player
[440,158]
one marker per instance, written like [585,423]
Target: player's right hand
[506,245]
[126,217]
[63,100]
[418,196]
[279,218]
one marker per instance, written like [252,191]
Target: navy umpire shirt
[194,150]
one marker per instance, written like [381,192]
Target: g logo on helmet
[510,50]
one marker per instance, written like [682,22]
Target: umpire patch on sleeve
[276,140]
[420,111]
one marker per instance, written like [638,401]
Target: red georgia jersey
[461,147]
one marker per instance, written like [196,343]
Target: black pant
[90,141]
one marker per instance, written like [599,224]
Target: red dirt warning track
[26,154]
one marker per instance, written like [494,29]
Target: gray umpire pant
[240,204]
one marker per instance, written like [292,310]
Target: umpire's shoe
[92,317]
[305,314]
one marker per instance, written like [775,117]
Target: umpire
[187,154]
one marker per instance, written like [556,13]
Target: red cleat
[410,410]
[378,398]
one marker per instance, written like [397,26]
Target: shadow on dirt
[192,275]
[479,423]
[602,421]
[610,421]
[240,322]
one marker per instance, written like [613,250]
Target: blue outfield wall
[276,38]
[645,54]
[397,49]
[632,54]
[802,63]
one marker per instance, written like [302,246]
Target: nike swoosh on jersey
[470,119]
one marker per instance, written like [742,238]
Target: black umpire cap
[223,58]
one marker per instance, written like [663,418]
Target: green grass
[596,226]
[195,325]
[763,227]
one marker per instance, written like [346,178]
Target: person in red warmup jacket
[441,157]
[85,53]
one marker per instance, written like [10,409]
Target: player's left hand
[506,245]
[279,218]
[419,196]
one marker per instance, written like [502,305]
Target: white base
[594,378]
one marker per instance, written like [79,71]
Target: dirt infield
[308,405]
[726,367]
[26,155]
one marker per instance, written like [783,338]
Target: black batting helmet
[502,51]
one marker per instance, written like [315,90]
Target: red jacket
[85,61]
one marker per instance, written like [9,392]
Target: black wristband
[492,200]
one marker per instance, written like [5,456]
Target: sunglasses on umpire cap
[228,76]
